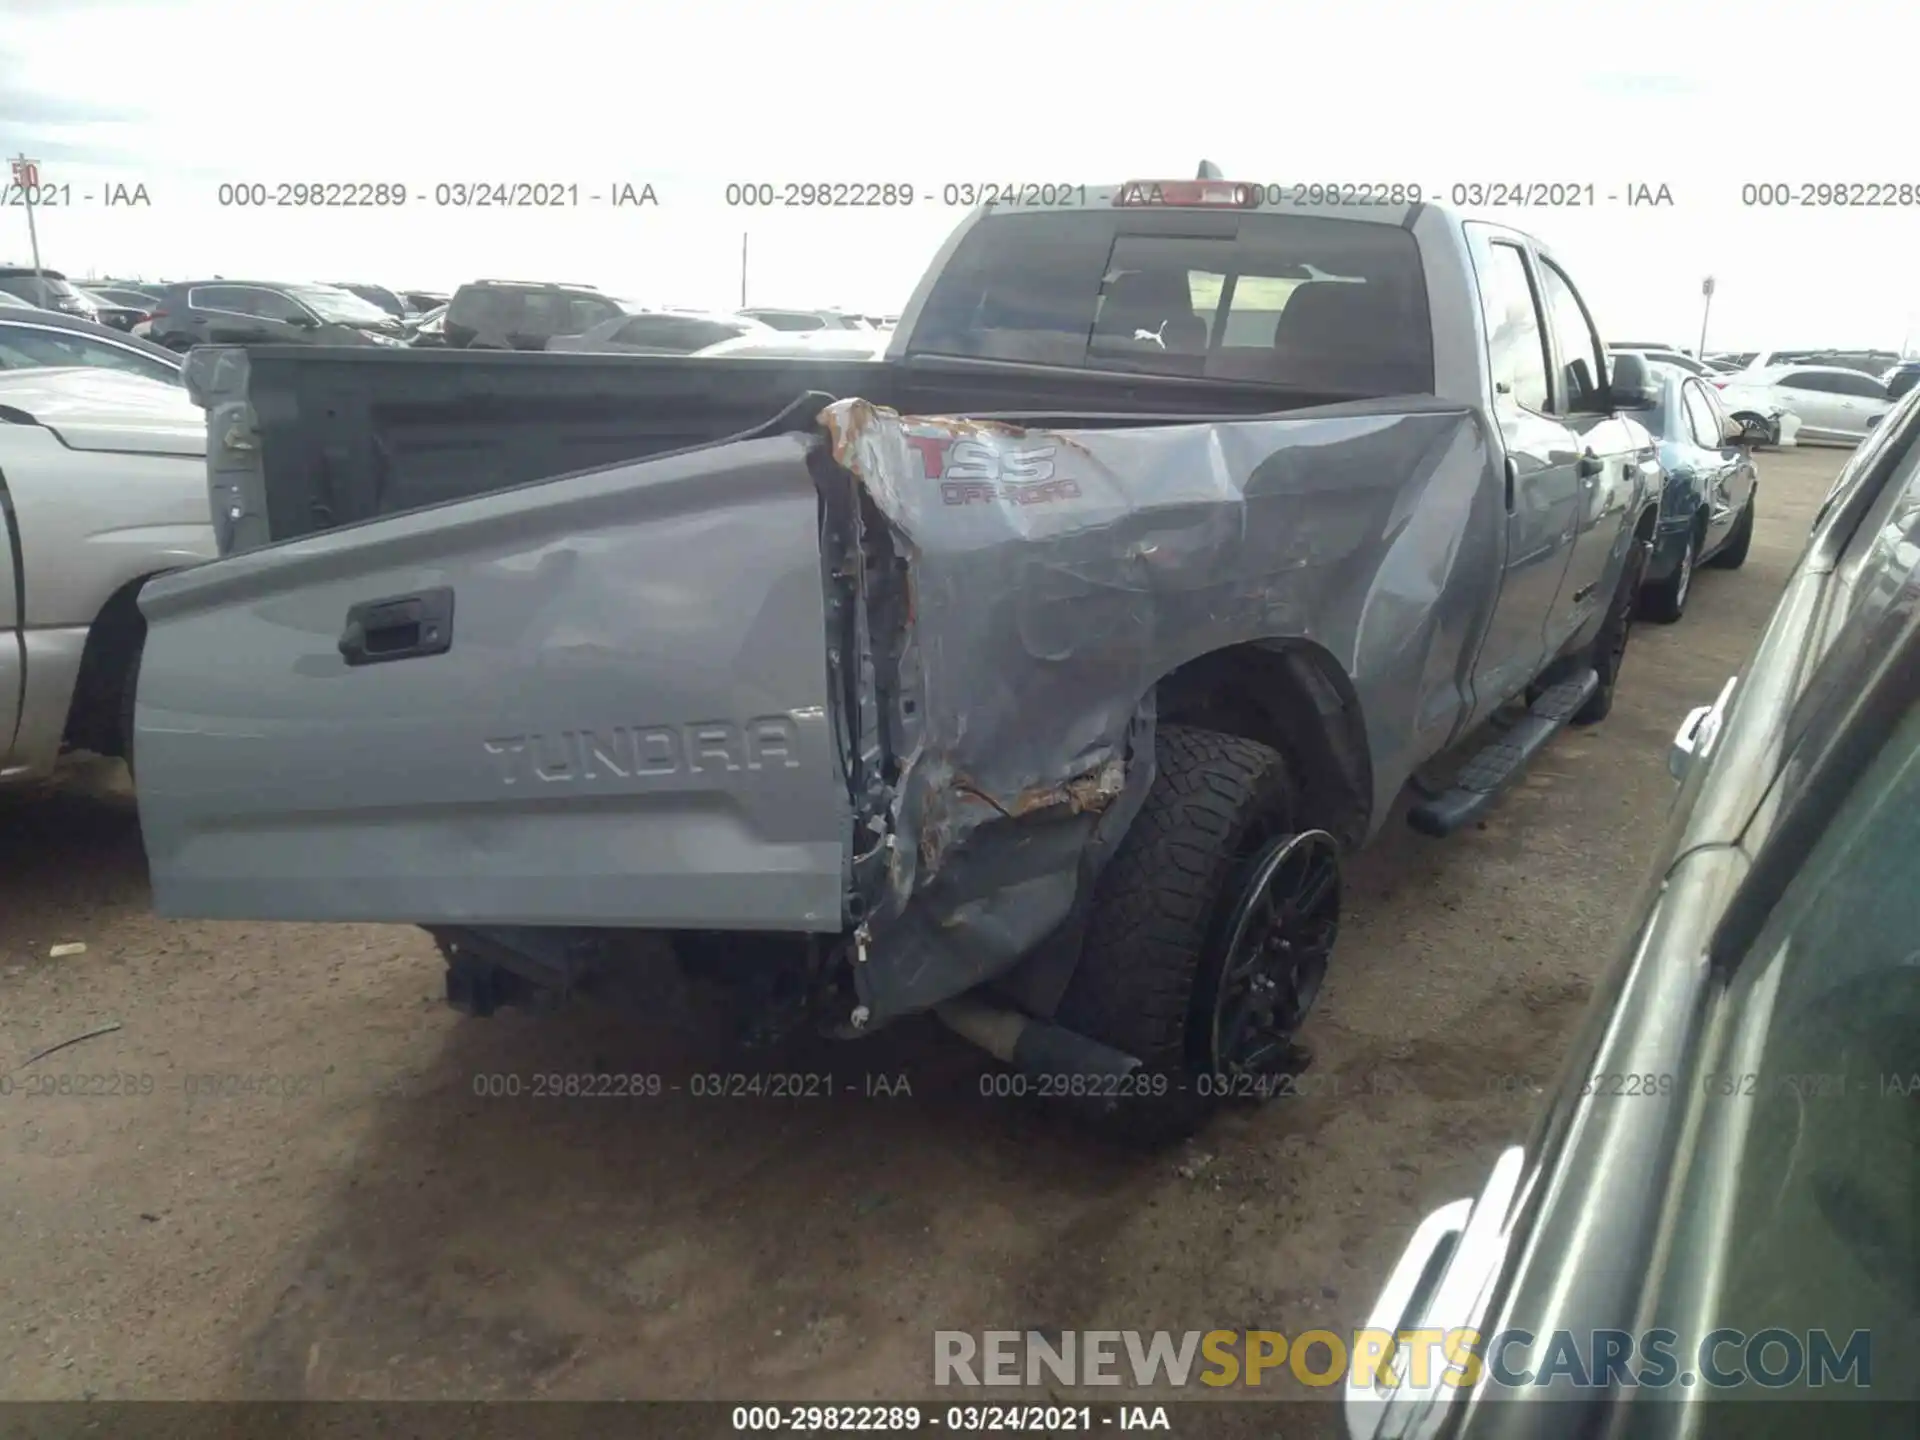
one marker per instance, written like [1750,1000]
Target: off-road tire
[1733,554]
[1156,919]
[1609,647]
[1665,601]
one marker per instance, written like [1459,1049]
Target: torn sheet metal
[1056,577]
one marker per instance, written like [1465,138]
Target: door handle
[1590,465]
[402,627]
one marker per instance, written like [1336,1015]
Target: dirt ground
[281,1175]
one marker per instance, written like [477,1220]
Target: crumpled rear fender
[1011,598]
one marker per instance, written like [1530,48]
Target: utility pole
[26,174]
[1706,309]
[743,269]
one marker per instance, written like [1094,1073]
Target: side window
[272,305]
[1823,1194]
[638,331]
[1516,337]
[1862,385]
[1582,364]
[587,312]
[218,297]
[657,330]
[1700,417]
[701,333]
[22,347]
[1808,380]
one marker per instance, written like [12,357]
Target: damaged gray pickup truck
[1038,674]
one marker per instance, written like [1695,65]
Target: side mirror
[303,322]
[1733,432]
[1633,385]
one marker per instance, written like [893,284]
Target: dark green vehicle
[1720,1201]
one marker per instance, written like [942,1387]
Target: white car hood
[105,410]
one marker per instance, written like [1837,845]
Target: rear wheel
[1733,554]
[1210,934]
[1609,649]
[1666,601]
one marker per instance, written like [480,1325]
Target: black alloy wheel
[1277,940]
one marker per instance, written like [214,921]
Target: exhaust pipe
[1036,1047]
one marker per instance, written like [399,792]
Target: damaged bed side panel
[1054,578]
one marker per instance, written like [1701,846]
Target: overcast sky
[183,95]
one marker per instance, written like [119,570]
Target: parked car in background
[106,487]
[428,330]
[1834,403]
[1646,345]
[48,289]
[1707,506]
[133,297]
[36,339]
[113,314]
[1730,1145]
[1901,378]
[422,302]
[662,332]
[237,312]
[804,345]
[387,300]
[1765,418]
[526,314]
[1870,362]
[806,319]
[1663,356]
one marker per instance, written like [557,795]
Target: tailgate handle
[399,628]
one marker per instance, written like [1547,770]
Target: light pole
[1706,309]
[26,174]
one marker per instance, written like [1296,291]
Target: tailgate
[602,700]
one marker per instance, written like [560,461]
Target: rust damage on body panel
[948,795]
[982,812]
[1083,794]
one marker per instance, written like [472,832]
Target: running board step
[1482,778]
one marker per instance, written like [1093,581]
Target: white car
[106,487]
[806,345]
[664,331]
[1768,419]
[1833,402]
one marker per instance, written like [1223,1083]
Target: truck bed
[302,439]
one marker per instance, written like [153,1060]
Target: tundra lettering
[624,752]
